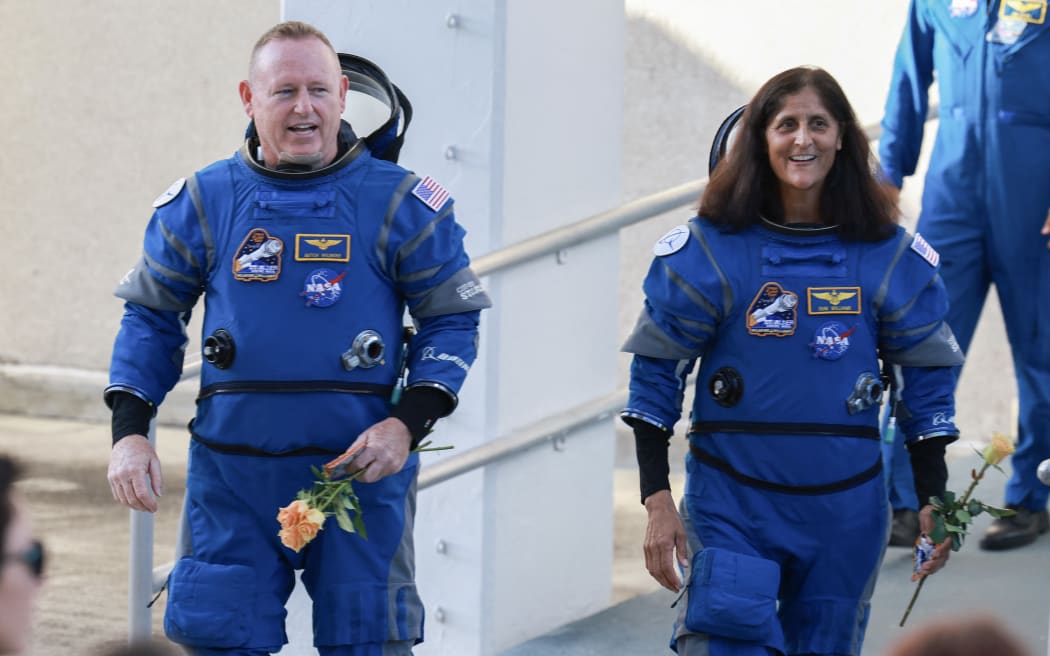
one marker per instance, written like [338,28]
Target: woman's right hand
[665,540]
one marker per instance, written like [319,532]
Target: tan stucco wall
[104,104]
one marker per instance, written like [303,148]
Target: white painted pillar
[518,113]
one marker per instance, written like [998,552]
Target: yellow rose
[299,524]
[1000,447]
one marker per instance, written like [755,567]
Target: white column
[518,113]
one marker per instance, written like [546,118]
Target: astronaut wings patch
[923,248]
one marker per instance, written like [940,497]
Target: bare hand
[941,552]
[134,473]
[664,540]
[381,450]
[1046,227]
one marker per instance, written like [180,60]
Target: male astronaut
[985,200]
[307,251]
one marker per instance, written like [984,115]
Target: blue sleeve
[915,336]
[148,352]
[423,254]
[929,401]
[159,293]
[657,389]
[907,103]
[686,294]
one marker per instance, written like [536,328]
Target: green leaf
[344,520]
[999,512]
[359,523]
[939,531]
[975,507]
[937,503]
[954,529]
[957,542]
[963,516]
[949,498]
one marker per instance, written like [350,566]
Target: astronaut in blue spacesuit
[985,201]
[307,251]
[789,287]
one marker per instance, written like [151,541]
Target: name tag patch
[1027,11]
[833,300]
[322,248]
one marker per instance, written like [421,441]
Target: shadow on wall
[674,102]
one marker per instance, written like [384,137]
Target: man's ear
[245,90]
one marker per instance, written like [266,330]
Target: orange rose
[299,524]
[1000,447]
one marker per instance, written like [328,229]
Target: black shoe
[1016,530]
[905,529]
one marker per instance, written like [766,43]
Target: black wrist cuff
[131,415]
[929,469]
[651,445]
[420,408]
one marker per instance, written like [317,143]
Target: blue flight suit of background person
[986,192]
[784,505]
[293,267]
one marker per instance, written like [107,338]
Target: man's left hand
[384,450]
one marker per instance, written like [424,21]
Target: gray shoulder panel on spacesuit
[138,286]
[649,340]
[940,349]
[461,292]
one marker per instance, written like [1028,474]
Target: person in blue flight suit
[307,250]
[985,201]
[789,286]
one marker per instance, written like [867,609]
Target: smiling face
[18,586]
[803,139]
[296,94]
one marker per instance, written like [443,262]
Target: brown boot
[1016,530]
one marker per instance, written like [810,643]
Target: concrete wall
[105,104]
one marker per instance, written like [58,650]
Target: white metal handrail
[555,427]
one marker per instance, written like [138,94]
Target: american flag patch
[920,246]
[431,193]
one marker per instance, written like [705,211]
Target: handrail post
[140,570]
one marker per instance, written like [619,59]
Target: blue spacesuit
[985,197]
[784,504]
[305,277]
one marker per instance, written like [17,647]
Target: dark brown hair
[744,186]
